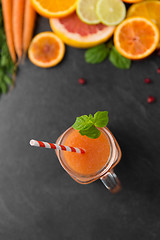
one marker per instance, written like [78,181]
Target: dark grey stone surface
[38,200]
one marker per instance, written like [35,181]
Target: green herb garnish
[118,60]
[99,53]
[87,125]
[7,67]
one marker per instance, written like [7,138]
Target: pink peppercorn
[147,80]
[158,70]
[151,99]
[82,81]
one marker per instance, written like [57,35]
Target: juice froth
[96,155]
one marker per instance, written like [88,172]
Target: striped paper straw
[36,143]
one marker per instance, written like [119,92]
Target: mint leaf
[82,122]
[101,119]
[96,54]
[87,125]
[91,132]
[99,53]
[118,60]
[91,117]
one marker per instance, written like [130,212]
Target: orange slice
[56,8]
[76,33]
[132,1]
[136,38]
[148,9]
[46,50]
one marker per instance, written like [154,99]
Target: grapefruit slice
[78,34]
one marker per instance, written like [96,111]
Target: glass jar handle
[111,182]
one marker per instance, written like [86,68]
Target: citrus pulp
[76,33]
[46,50]
[136,38]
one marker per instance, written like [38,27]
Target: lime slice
[86,11]
[111,12]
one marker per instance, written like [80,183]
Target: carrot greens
[7,67]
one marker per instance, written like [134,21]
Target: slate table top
[38,200]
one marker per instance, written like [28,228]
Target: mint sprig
[118,60]
[99,53]
[96,54]
[87,125]
[101,119]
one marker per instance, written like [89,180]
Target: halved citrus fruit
[148,9]
[136,38]
[111,12]
[86,11]
[76,33]
[132,1]
[56,8]
[46,50]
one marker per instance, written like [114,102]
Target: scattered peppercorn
[82,81]
[151,99]
[147,80]
[158,70]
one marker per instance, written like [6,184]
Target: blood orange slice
[76,33]
[46,50]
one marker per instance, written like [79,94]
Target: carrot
[18,14]
[7,17]
[29,23]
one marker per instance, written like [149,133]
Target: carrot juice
[97,151]
[88,151]
[96,155]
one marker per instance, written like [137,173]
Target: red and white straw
[36,143]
